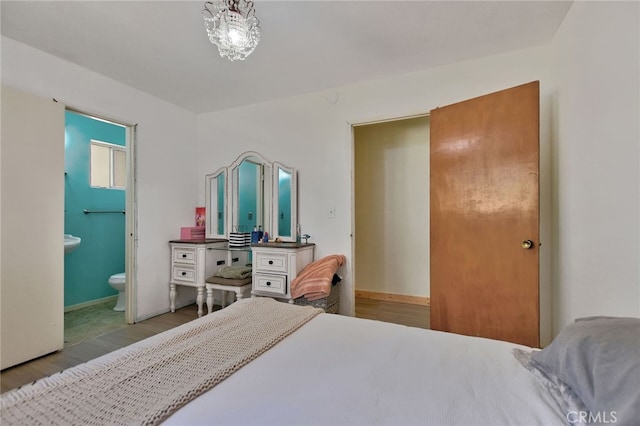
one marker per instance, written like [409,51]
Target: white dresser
[193,261]
[276,265]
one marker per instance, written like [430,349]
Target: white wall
[589,152]
[597,181]
[166,135]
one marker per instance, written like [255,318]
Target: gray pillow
[599,359]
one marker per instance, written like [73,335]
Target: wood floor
[395,312]
[399,313]
[28,372]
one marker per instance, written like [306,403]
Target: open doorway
[99,211]
[391,220]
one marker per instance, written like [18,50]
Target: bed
[325,369]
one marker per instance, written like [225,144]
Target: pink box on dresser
[192,233]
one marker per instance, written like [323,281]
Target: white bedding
[338,370]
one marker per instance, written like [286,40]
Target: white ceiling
[161,47]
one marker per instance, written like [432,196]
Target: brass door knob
[527,244]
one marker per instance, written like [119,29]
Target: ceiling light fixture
[232,26]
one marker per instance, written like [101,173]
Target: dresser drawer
[272,262]
[184,255]
[275,284]
[184,273]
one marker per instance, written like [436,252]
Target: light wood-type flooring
[395,312]
[94,347]
[74,354]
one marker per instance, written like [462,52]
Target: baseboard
[167,310]
[90,303]
[391,297]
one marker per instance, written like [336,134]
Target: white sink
[71,243]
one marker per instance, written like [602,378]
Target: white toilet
[117,281]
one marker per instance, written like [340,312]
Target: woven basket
[330,304]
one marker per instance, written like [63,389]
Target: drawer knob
[184,273]
[268,282]
[271,262]
[184,255]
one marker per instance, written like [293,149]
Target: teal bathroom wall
[102,250]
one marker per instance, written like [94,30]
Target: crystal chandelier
[232,26]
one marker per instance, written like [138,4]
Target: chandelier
[232,26]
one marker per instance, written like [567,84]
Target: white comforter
[338,370]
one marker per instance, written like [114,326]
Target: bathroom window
[108,165]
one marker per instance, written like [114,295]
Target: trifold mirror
[285,199]
[216,199]
[252,193]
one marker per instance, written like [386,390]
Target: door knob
[527,244]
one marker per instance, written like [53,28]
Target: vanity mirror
[216,199]
[285,202]
[252,192]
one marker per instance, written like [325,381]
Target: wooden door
[484,205]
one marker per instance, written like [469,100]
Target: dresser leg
[200,300]
[172,297]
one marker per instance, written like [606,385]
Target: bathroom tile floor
[92,321]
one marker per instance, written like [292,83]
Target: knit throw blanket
[146,382]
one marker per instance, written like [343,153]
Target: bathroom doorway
[98,210]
